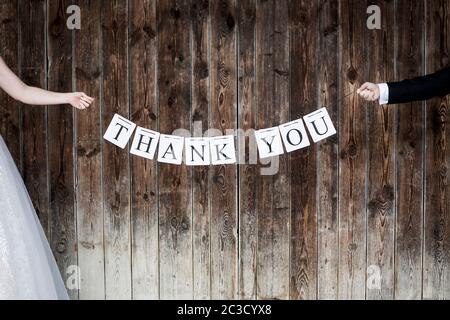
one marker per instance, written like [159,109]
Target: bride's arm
[35,96]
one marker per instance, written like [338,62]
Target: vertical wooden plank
[353,152]
[60,142]
[201,220]
[144,199]
[327,166]
[437,202]
[32,58]
[381,164]
[248,172]
[9,109]
[116,168]
[303,163]
[410,147]
[272,83]
[175,201]
[89,198]
[223,117]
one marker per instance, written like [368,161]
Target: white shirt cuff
[384,93]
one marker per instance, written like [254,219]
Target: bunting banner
[219,150]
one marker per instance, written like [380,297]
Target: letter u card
[319,125]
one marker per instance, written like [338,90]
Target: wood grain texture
[248,170]
[327,155]
[303,164]
[144,188]
[224,241]
[87,126]
[381,164]
[353,152]
[33,72]
[10,113]
[60,143]
[273,207]
[116,166]
[201,186]
[409,153]
[373,198]
[175,184]
[436,261]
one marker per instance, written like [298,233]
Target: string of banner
[219,150]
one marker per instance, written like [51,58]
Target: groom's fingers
[364,94]
[367,95]
[365,86]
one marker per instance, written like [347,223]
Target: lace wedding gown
[27,267]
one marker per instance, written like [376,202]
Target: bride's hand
[80,100]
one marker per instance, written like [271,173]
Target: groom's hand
[369,91]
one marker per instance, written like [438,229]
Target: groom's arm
[417,89]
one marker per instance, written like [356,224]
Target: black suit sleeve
[421,88]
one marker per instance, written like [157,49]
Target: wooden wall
[375,198]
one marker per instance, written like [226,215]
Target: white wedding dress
[28,270]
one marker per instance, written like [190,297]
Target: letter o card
[294,135]
[144,143]
[319,125]
[222,150]
[119,131]
[269,142]
[170,149]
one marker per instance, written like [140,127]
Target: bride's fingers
[87,100]
[85,104]
[82,105]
